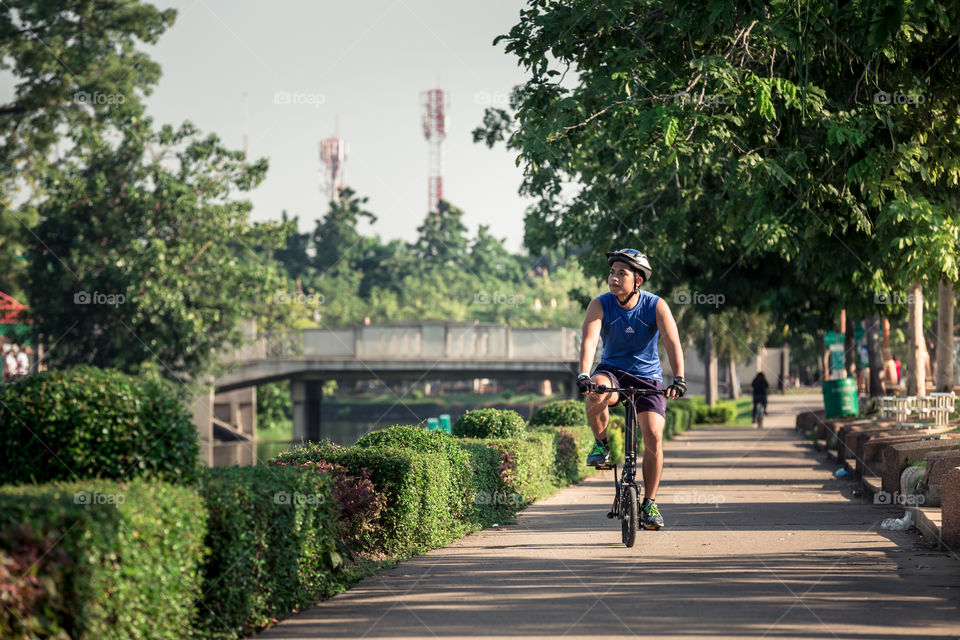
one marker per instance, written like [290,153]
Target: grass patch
[281,431]
[744,412]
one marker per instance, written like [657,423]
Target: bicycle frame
[627,474]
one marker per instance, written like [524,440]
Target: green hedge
[109,560]
[560,412]
[490,423]
[724,412]
[274,546]
[492,499]
[358,503]
[528,466]
[427,504]
[681,415]
[571,445]
[424,441]
[86,422]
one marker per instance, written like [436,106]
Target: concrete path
[761,541]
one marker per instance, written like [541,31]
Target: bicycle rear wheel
[628,506]
[758,415]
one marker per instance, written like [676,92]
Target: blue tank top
[630,336]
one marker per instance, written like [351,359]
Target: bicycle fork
[626,478]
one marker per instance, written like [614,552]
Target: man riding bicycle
[630,321]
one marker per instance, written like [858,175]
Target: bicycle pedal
[603,467]
[610,514]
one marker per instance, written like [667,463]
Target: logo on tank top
[629,330]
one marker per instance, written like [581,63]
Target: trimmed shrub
[571,444]
[423,441]
[526,468]
[560,412]
[724,412]
[86,422]
[416,438]
[274,546]
[490,423]
[426,505]
[358,504]
[113,560]
[566,464]
[680,417]
[685,410]
[491,500]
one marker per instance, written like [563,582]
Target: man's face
[622,279]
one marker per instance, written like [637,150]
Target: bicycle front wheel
[628,524]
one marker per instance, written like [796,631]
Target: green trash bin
[433,424]
[445,422]
[840,398]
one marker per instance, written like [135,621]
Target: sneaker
[650,515]
[599,455]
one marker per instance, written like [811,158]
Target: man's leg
[598,416]
[651,427]
[598,406]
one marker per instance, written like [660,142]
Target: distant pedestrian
[760,390]
[9,365]
[23,362]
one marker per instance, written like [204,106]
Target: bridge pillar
[307,396]
[202,410]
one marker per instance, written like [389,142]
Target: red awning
[10,310]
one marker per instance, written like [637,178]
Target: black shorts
[657,404]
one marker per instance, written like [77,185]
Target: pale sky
[362,65]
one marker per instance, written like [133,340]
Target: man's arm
[590,334]
[671,337]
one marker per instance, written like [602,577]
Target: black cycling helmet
[637,261]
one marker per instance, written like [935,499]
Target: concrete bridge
[436,350]
[403,351]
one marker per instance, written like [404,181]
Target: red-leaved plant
[358,503]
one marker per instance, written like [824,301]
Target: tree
[755,130]
[443,237]
[489,257]
[336,238]
[77,69]
[145,255]
[294,256]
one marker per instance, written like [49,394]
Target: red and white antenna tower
[435,131]
[333,154]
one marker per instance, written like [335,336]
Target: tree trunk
[875,354]
[784,368]
[734,380]
[843,330]
[916,345]
[850,349]
[945,312]
[711,367]
[931,340]
[824,358]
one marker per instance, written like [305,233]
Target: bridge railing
[408,341]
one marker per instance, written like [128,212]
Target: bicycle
[626,497]
[758,412]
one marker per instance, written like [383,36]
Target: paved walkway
[761,541]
